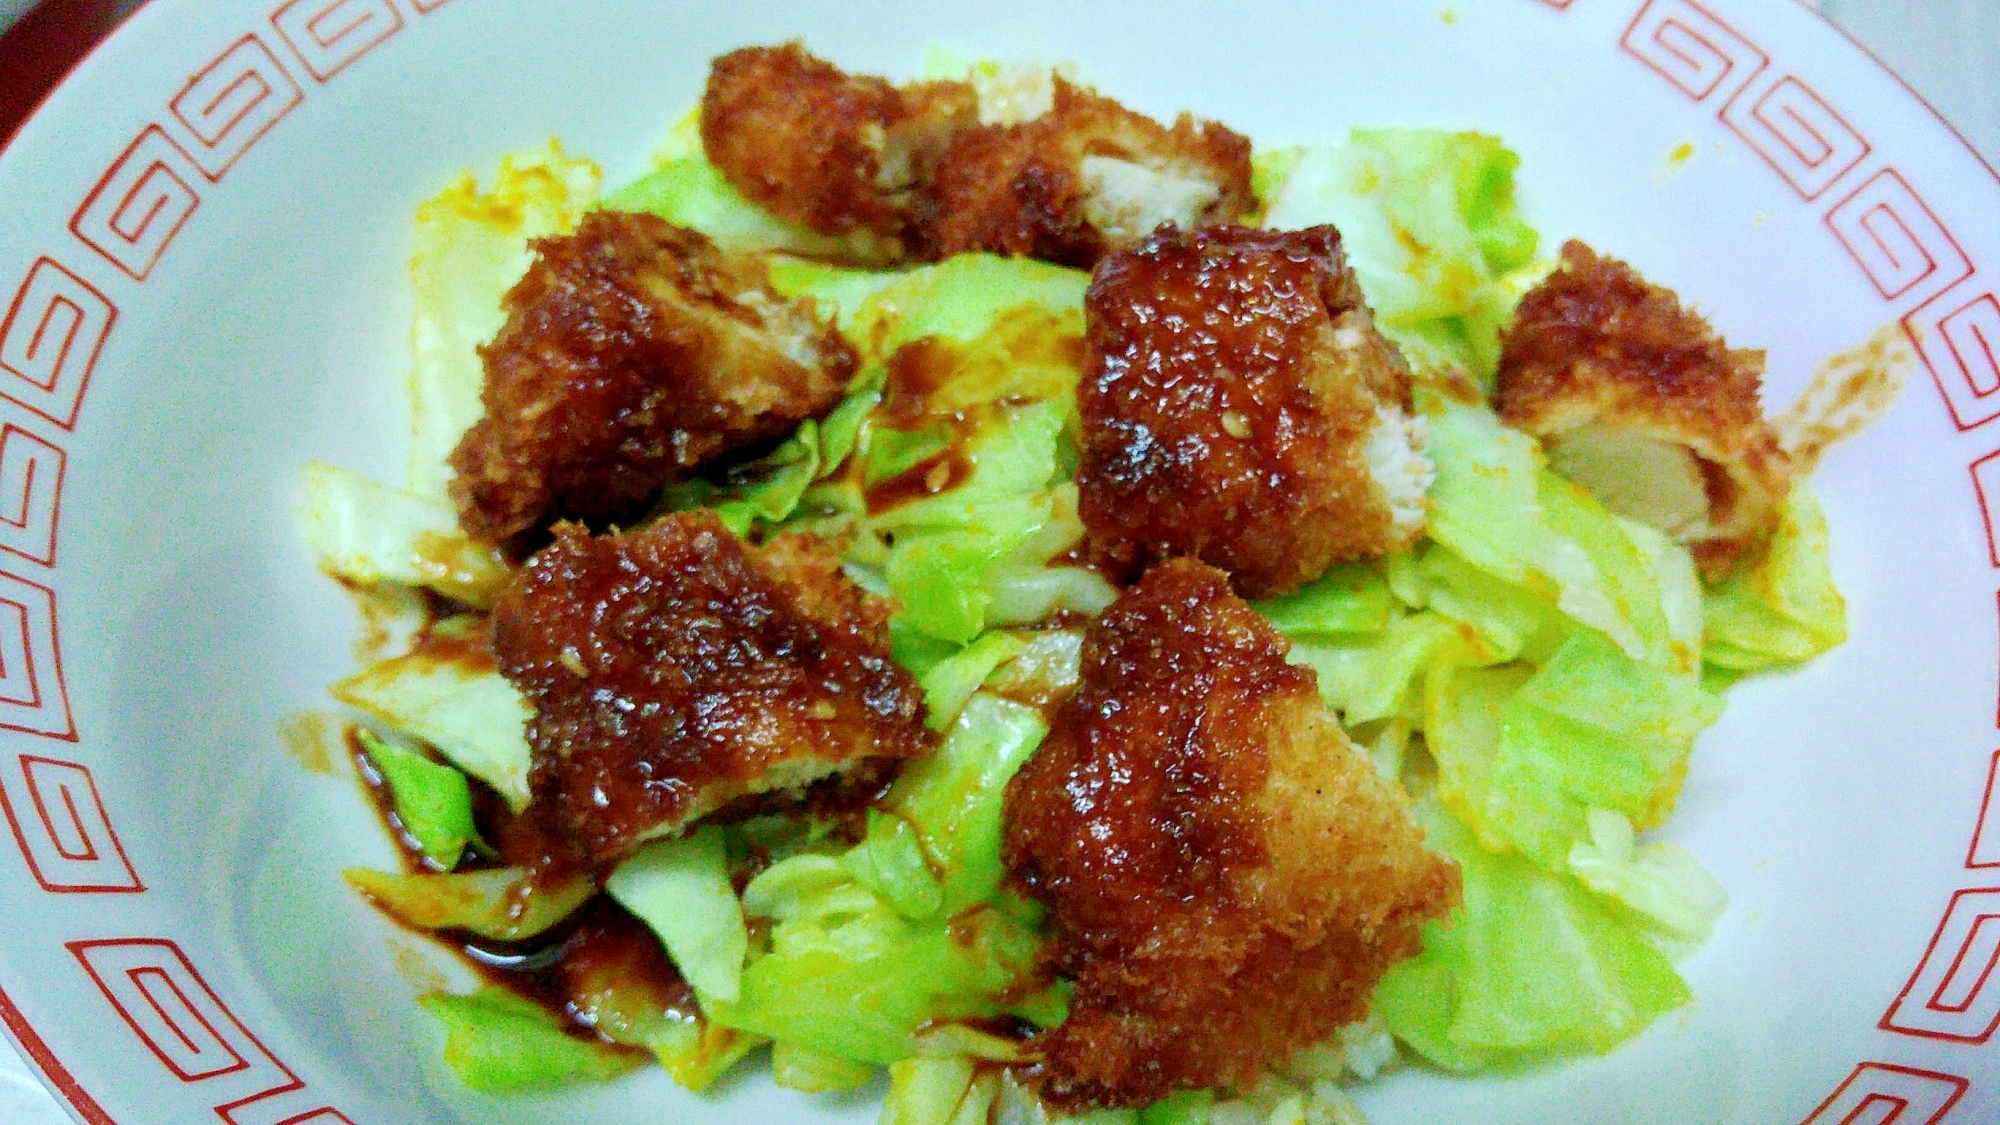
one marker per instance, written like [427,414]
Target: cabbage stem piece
[681,889]
[368,533]
[498,1043]
[502,903]
[471,714]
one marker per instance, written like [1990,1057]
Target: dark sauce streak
[563,969]
[940,473]
[569,969]
[915,373]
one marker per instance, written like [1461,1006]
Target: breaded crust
[834,152]
[1597,352]
[633,352]
[674,669]
[913,166]
[1235,397]
[1085,178]
[1226,875]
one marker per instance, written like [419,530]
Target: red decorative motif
[233,102]
[1947,997]
[1690,47]
[139,205]
[1895,237]
[1986,487]
[31,478]
[1801,137]
[1882,1094]
[50,340]
[329,35]
[33,699]
[187,1027]
[1985,849]
[1558,5]
[60,823]
[1960,344]
[429,6]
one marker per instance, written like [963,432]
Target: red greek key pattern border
[167,1004]
[1885,1094]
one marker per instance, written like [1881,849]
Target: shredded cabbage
[1782,607]
[1429,223]
[432,801]
[681,888]
[1534,964]
[499,1043]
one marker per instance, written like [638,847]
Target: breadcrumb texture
[1597,352]
[915,167]
[632,353]
[1233,386]
[834,152]
[675,669]
[1088,177]
[1226,875]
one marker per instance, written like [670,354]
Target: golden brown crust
[1027,190]
[1597,345]
[633,351]
[912,166]
[833,152]
[1233,381]
[674,669]
[1226,876]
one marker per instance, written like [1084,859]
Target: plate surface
[203,285]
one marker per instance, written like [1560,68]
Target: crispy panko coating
[1083,179]
[675,669]
[1639,400]
[1239,406]
[915,167]
[833,152]
[1226,875]
[633,352]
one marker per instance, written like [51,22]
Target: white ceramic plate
[203,283]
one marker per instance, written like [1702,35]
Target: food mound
[1088,615]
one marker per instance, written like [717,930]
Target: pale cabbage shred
[1533,673]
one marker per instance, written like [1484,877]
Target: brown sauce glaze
[928,477]
[676,669]
[1234,380]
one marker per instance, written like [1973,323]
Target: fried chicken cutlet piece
[633,352]
[1226,875]
[1086,178]
[674,669]
[1640,401]
[914,164]
[1238,405]
[836,153]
